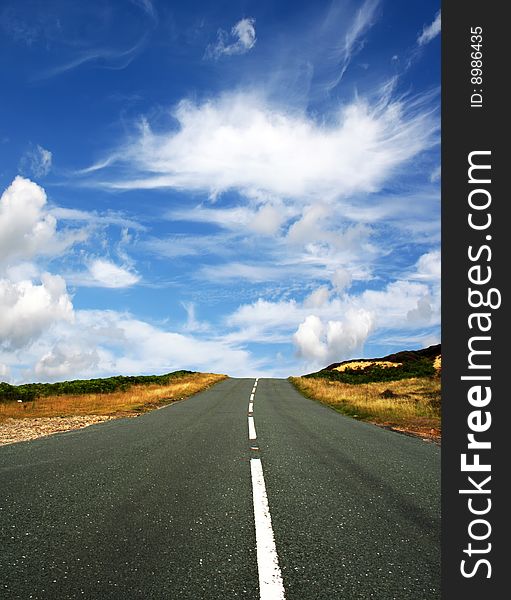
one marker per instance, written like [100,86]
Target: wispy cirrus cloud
[36,162]
[72,34]
[190,245]
[95,218]
[265,216]
[387,306]
[99,57]
[256,273]
[353,39]
[269,149]
[24,28]
[147,6]
[240,40]
[429,32]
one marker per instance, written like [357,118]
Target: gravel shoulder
[21,430]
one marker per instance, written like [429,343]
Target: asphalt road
[162,506]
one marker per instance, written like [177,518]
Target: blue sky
[248,188]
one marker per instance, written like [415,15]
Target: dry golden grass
[363,364]
[136,399]
[409,405]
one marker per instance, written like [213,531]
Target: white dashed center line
[271,586]
[251,429]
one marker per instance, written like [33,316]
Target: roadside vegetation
[31,391]
[113,396]
[376,371]
[401,391]
[408,405]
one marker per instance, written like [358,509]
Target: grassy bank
[128,396]
[408,405]
[104,385]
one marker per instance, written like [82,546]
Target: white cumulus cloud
[28,309]
[332,323]
[5,371]
[27,229]
[429,267]
[334,340]
[341,279]
[112,342]
[39,326]
[422,313]
[66,360]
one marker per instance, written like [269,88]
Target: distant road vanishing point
[246,490]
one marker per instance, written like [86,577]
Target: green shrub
[30,391]
[376,373]
[11,393]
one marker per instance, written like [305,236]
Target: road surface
[206,500]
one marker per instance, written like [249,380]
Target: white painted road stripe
[251,429]
[271,586]
[250,407]
[251,397]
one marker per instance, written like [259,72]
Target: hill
[400,391]
[393,367]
